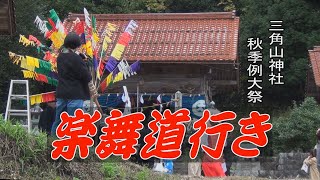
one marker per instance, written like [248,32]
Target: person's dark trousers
[228,164]
[64,105]
[47,117]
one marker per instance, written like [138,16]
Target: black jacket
[73,77]
[47,118]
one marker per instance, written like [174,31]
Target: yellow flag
[11,55]
[39,99]
[105,43]
[26,42]
[119,77]
[15,58]
[30,61]
[95,37]
[36,62]
[119,47]
[117,55]
[57,39]
[118,51]
[111,27]
[25,73]
[20,58]
[109,34]
[25,66]
[98,74]
[32,100]
[109,79]
[28,74]
[89,49]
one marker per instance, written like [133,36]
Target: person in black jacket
[73,76]
[47,117]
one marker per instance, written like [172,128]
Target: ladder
[16,112]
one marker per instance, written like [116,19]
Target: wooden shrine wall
[7,17]
[312,90]
[186,78]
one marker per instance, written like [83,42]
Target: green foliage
[26,12]
[301,32]
[29,145]
[295,130]
[184,6]
[143,175]
[229,5]
[110,170]
[156,5]
[106,6]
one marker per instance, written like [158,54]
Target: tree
[25,11]
[185,6]
[302,29]
[229,5]
[296,129]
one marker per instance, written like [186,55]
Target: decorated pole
[45,69]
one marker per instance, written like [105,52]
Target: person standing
[47,117]
[212,167]
[73,76]
[311,161]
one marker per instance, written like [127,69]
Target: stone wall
[285,165]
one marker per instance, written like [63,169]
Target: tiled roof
[315,62]
[175,37]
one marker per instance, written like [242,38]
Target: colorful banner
[40,77]
[118,75]
[35,40]
[41,25]
[79,26]
[32,64]
[120,46]
[57,39]
[56,31]
[41,98]
[55,23]
[16,59]
[26,42]
[46,70]
[108,33]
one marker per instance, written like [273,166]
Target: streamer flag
[41,98]
[121,45]
[121,74]
[111,28]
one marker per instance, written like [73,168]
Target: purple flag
[135,66]
[111,64]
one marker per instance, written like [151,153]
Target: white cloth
[224,167]
[141,99]
[126,97]
[159,101]
[305,168]
[158,166]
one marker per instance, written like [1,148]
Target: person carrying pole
[74,80]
